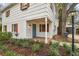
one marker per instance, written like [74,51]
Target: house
[69,24]
[69,27]
[29,20]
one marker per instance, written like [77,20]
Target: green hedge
[5,35]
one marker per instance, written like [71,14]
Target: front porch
[39,29]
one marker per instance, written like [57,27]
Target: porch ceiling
[39,20]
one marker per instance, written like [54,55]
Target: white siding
[35,11]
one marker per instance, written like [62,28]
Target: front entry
[34,30]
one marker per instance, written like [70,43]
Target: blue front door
[34,30]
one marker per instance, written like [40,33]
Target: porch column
[46,30]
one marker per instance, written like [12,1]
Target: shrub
[76,51]
[16,41]
[22,42]
[25,43]
[9,35]
[12,41]
[68,49]
[10,53]
[5,35]
[6,51]
[3,48]
[36,47]
[54,49]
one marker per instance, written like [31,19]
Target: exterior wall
[54,23]
[35,11]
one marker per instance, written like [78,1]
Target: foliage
[21,42]
[25,43]
[76,51]
[68,49]
[12,41]
[9,34]
[10,53]
[5,35]
[0,27]
[3,48]
[6,51]
[36,47]
[54,49]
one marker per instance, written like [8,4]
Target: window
[5,28]
[24,6]
[42,28]
[14,27]
[7,13]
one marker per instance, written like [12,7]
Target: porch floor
[41,39]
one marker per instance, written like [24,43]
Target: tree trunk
[62,20]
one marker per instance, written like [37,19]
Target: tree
[61,9]
[62,16]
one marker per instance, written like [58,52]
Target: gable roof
[7,7]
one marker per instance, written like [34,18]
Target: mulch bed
[61,51]
[19,50]
[28,51]
[1,53]
[43,51]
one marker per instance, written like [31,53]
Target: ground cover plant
[54,49]
[5,35]
[26,47]
[6,51]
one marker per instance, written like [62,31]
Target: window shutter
[40,28]
[7,13]
[12,27]
[5,28]
[17,28]
[47,27]
[24,6]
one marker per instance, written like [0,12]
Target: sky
[77,7]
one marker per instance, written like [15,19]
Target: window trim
[42,27]
[15,27]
